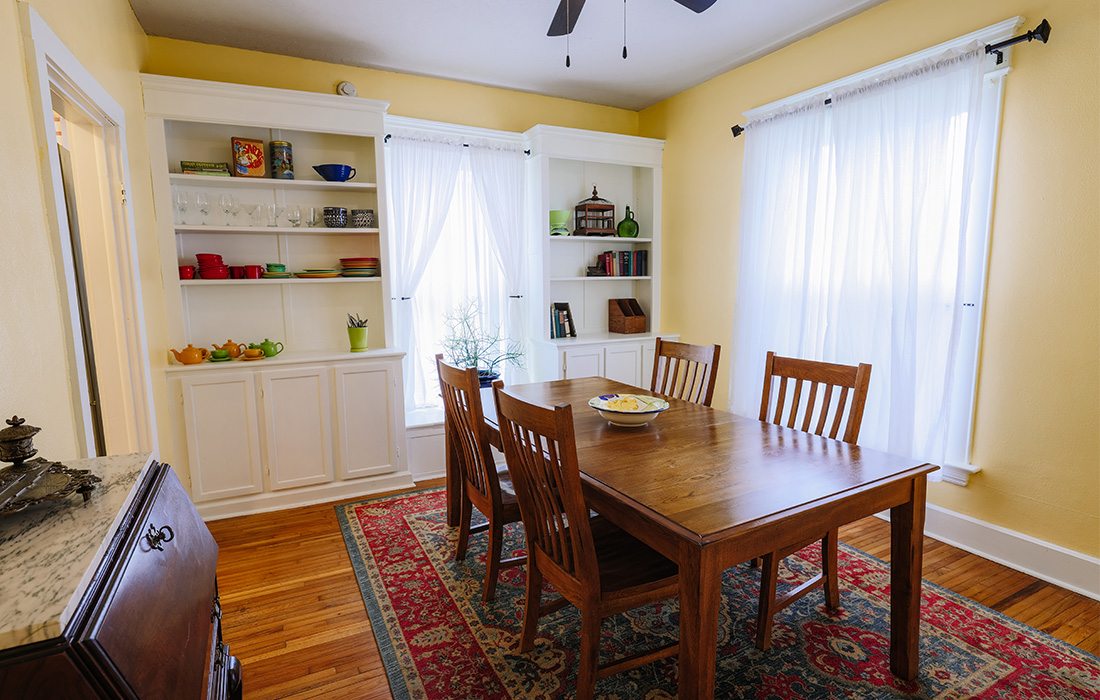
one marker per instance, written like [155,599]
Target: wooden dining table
[710,489]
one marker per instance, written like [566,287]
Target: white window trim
[958,474]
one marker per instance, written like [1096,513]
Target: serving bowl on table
[628,410]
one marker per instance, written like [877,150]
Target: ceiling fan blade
[559,26]
[696,5]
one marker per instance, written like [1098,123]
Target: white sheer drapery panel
[421,176]
[498,180]
[855,240]
[463,266]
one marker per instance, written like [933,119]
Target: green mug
[220,354]
[276,267]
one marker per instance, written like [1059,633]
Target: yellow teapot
[234,349]
[190,355]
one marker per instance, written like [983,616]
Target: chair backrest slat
[852,380]
[541,450]
[685,371]
[461,392]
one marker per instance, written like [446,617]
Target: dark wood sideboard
[148,624]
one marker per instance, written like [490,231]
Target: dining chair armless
[593,564]
[484,486]
[821,415]
[685,371]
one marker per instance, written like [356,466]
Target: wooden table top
[706,472]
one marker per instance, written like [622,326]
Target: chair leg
[755,562]
[828,570]
[531,606]
[492,559]
[590,654]
[769,574]
[465,514]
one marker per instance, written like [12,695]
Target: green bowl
[276,267]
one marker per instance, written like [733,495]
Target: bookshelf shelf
[269,183]
[620,278]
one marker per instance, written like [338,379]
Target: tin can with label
[282,160]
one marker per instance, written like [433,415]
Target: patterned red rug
[439,641]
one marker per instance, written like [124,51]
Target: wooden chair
[852,381]
[484,486]
[593,564]
[685,371]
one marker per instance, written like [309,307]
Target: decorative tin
[282,160]
[362,218]
[29,483]
[248,157]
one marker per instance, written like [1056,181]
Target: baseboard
[421,478]
[1044,560]
[306,496]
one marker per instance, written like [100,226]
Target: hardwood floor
[294,616]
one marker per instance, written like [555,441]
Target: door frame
[51,67]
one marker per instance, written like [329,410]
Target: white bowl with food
[628,410]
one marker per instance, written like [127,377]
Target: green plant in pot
[467,344]
[357,333]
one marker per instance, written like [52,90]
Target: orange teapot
[234,349]
[190,355]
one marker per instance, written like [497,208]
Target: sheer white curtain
[498,179]
[421,174]
[857,246]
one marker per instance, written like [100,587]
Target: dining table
[710,489]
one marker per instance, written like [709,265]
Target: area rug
[438,640]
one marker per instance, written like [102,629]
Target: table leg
[454,478]
[700,594]
[906,558]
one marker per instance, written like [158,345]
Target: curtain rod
[1042,33]
[526,152]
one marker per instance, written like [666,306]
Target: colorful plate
[317,275]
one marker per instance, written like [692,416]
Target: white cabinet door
[297,414]
[623,363]
[583,362]
[649,354]
[367,407]
[223,443]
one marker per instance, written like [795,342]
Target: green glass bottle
[628,227]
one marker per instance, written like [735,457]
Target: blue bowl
[335,172]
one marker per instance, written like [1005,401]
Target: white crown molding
[987,35]
[455,130]
[212,88]
[583,144]
[1063,567]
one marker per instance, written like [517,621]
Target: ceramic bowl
[214,273]
[335,172]
[644,410]
[208,258]
[336,217]
[362,218]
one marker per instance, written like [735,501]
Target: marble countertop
[48,555]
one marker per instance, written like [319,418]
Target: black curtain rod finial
[1041,32]
[737,130]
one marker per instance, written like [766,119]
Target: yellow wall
[408,95]
[1037,433]
[34,368]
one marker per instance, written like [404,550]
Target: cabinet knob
[156,537]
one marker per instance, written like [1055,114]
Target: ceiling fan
[569,10]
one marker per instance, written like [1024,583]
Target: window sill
[424,418]
[958,474]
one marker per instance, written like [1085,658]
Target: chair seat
[508,495]
[626,562]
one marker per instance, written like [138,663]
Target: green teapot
[271,349]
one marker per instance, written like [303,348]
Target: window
[864,232]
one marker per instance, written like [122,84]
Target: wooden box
[625,316]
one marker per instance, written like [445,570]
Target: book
[202,166]
[561,321]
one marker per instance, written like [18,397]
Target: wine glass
[235,208]
[183,203]
[294,215]
[203,203]
[274,211]
[226,201]
[253,211]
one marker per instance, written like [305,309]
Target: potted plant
[357,333]
[466,344]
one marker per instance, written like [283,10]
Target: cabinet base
[307,496]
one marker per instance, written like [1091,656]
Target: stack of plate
[360,267]
[317,273]
[277,275]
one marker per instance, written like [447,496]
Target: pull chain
[624,29]
[568,31]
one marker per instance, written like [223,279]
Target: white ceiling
[504,43]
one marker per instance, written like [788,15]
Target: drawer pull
[157,536]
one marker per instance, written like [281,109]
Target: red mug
[236,272]
[187,272]
[253,272]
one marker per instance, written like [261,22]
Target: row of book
[199,167]
[622,263]
[561,321]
